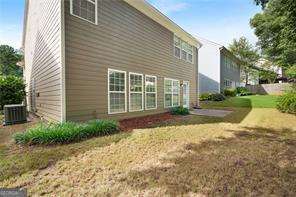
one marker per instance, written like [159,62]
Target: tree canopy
[261,2]
[247,54]
[8,61]
[275,28]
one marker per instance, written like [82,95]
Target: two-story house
[218,67]
[92,59]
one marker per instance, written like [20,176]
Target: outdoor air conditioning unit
[14,114]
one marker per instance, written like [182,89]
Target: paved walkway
[211,112]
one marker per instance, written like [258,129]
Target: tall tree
[275,28]
[261,2]
[247,54]
[8,61]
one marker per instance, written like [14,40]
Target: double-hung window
[150,92]
[184,51]
[177,47]
[85,9]
[135,92]
[190,53]
[116,91]
[171,93]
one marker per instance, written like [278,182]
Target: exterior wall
[43,62]
[271,89]
[209,67]
[232,74]
[124,39]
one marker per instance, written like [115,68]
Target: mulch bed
[145,121]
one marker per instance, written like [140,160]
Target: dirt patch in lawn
[146,121]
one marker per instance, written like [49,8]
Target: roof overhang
[150,11]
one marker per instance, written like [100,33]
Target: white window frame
[185,50]
[152,76]
[179,47]
[96,12]
[188,93]
[172,93]
[125,96]
[190,52]
[131,92]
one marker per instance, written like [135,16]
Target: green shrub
[217,97]
[205,97]
[179,111]
[242,91]
[229,92]
[61,133]
[12,90]
[287,102]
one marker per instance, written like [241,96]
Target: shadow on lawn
[16,160]
[237,116]
[258,161]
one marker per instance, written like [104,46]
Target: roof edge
[153,13]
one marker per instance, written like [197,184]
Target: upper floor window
[84,9]
[190,54]
[183,50]
[177,45]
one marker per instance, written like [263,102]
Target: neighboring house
[218,68]
[92,59]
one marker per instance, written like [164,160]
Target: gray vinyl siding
[228,73]
[43,58]
[124,39]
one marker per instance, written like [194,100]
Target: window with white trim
[184,51]
[150,92]
[227,83]
[136,92]
[116,91]
[190,53]
[171,93]
[177,47]
[84,9]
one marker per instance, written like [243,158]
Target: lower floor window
[136,92]
[151,92]
[116,91]
[171,93]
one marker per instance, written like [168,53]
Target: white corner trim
[63,65]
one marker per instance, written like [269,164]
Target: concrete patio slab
[211,112]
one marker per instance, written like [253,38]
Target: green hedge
[179,111]
[243,91]
[287,102]
[229,92]
[12,90]
[212,97]
[62,133]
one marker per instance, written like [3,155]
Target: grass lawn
[251,152]
[254,101]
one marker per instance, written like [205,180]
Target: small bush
[242,91]
[179,111]
[12,90]
[217,97]
[229,92]
[205,97]
[62,133]
[287,102]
